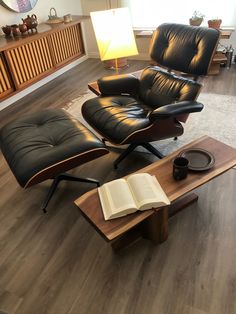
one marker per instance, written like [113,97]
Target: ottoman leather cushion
[43,144]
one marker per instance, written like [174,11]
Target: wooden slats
[66,44]
[33,59]
[29,61]
[5,82]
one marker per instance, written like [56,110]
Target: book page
[147,191]
[116,199]
[104,202]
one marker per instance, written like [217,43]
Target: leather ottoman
[44,144]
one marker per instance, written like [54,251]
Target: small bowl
[6,30]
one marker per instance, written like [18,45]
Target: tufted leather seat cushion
[116,117]
[119,117]
[48,142]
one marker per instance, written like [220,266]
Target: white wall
[41,10]
[87,7]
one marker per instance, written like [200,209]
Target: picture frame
[19,5]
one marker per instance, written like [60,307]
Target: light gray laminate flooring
[57,263]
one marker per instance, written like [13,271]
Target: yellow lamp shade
[114,33]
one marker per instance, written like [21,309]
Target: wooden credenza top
[42,30]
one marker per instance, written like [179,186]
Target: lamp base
[111,64]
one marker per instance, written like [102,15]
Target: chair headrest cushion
[184,48]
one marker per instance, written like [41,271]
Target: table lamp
[114,34]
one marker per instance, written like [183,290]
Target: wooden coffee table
[153,223]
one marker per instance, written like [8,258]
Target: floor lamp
[114,34]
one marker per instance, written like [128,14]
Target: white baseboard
[28,90]
[94,55]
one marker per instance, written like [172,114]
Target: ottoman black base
[64,177]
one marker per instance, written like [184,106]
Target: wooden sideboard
[28,58]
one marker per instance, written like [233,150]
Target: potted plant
[196,18]
[214,23]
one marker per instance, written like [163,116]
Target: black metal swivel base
[56,181]
[131,147]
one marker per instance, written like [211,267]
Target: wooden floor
[57,263]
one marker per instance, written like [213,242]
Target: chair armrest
[175,109]
[118,85]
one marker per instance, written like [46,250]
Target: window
[151,13]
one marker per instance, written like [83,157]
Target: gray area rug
[218,120]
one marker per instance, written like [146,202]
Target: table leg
[127,239]
[155,227]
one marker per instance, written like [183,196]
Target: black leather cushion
[116,117]
[43,139]
[159,88]
[119,84]
[184,48]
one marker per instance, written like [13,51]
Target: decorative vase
[214,23]
[195,22]
[31,22]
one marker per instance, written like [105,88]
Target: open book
[139,191]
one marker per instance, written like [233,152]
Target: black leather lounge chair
[139,111]
[45,144]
